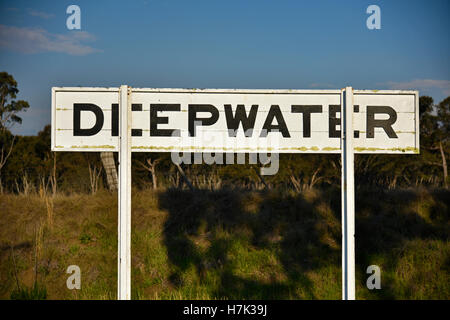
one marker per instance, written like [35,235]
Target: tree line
[28,165]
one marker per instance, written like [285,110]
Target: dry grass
[227,244]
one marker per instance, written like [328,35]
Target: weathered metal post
[124,204]
[348,196]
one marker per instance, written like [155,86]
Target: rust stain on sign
[407,149]
[93,147]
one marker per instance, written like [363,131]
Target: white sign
[244,121]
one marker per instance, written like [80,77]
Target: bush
[36,292]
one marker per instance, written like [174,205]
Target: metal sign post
[124,204]
[348,196]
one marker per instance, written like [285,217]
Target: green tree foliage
[434,135]
[9,108]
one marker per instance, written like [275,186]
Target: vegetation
[227,244]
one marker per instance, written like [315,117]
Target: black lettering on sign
[275,112]
[155,120]
[136,107]
[193,120]
[333,121]
[99,118]
[115,119]
[240,116]
[307,110]
[356,132]
[386,124]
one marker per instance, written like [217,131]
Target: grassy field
[226,244]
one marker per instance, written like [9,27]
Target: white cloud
[443,85]
[37,40]
[40,14]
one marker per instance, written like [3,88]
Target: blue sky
[223,44]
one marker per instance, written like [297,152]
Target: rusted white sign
[215,120]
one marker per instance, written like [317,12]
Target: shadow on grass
[271,245]
[406,233]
